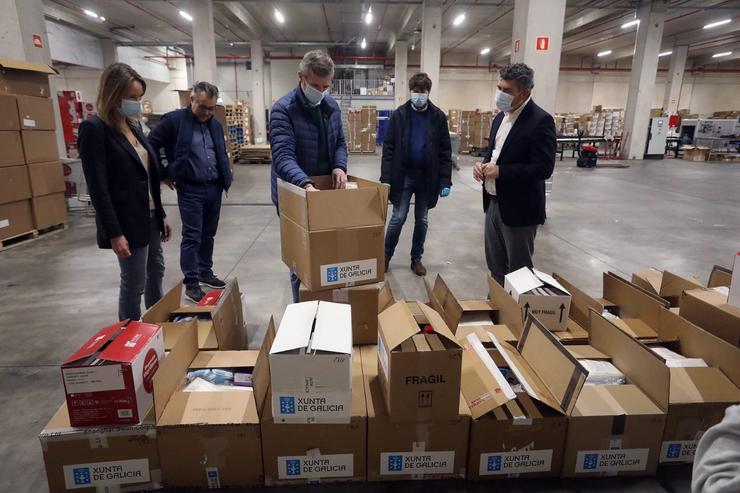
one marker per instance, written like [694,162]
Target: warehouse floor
[57,290]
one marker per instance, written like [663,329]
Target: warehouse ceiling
[591,26]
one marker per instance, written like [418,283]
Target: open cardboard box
[665,284]
[698,395]
[617,429]
[541,295]
[419,372]
[366,301]
[26,78]
[422,450]
[311,364]
[519,434]
[209,439]
[301,453]
[220,326]
[709,309]
[90,459]
[578,317]
[720,276]
[457,312]
[334,238]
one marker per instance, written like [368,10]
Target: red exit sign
[543,43]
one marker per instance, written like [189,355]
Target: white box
[311,364]
[552,310]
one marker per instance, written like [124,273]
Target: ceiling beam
[246,18]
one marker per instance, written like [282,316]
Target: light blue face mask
[419,99]
[130,108]
[314,96]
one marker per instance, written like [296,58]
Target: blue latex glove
[444,192]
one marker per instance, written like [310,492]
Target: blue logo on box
[287,405]
[674,451]
[332,274]
[494,463]
[82,475]
[591,461]
[212,474]
[395,463]
[293,467]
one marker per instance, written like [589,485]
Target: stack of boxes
[31,176]
[362,129]
[234,129]
[473,127]
[606,122]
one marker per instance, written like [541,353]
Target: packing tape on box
[314,452]
[340,295]
[110,488]
[98,440]
[420,443]
[214,453]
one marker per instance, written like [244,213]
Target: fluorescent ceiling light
[102,19]
[186,16]
[369,16]
[630,23]
[458,20]
[363,45]
[724,53]
[485,51]
[279,16]
[90,13]
[718,23]
[604,53]
[665,53]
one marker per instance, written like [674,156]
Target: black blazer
[526,160]
[438,170]
[117,182]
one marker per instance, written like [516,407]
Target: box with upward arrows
[541,295]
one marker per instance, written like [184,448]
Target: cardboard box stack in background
[606,122]
[473,127]
[362,129]
[34,201]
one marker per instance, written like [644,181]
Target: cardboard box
[698,395]
[720,276]
[87,460]
[9,113]
[519,430]
[665,284]
[366,302]
[578,316]
[109,380]
[733,298]
[436,450]
[14,184]
[617,429]
[457,312]
[709,310]
[28,78]
[46,178]
[12,146]
[220,326]
[16,219]
[39,146]
[209,439]
[637,309]
[49,210]
[35,113]
[419,373]
[334,238]
[541,295]
[311,364]
[301,453]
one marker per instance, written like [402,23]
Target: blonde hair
[114,84]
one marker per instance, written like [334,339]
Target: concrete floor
[55,291]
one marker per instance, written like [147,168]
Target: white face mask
[314,96]
[503,101]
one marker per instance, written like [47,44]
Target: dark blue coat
[294,139]
[174,132]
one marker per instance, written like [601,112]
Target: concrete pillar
[642,80]
[431,39]
[675,79]
[258,92]
[110,51]
[204,40]
[537,41]
[401,89]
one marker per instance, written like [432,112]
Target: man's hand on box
[311,188]
[339,177]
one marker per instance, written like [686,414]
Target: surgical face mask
[130,108]
[419,99]
[314,96]
[503,101]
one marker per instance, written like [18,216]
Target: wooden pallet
[53,229]
[20,239]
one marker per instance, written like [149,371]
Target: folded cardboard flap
[649,279]
[720,276]
[709,310]
[614,400]
[509,312]
[456,311]
[700,385]
[206,335]
[586,351]
[581,303]
[169,376]
[665,284]
[634,303]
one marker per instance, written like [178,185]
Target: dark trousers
[141,273]
[200,208]
[411,185]
[507,248]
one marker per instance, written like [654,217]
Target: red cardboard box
[109,380]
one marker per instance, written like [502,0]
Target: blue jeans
[200,209]
[411,186]
[141,273]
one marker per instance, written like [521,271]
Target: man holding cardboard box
[520,157]
[306,136]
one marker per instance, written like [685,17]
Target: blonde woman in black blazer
[122,173]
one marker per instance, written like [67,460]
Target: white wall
[74,47]
[234,81]
[283,78]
